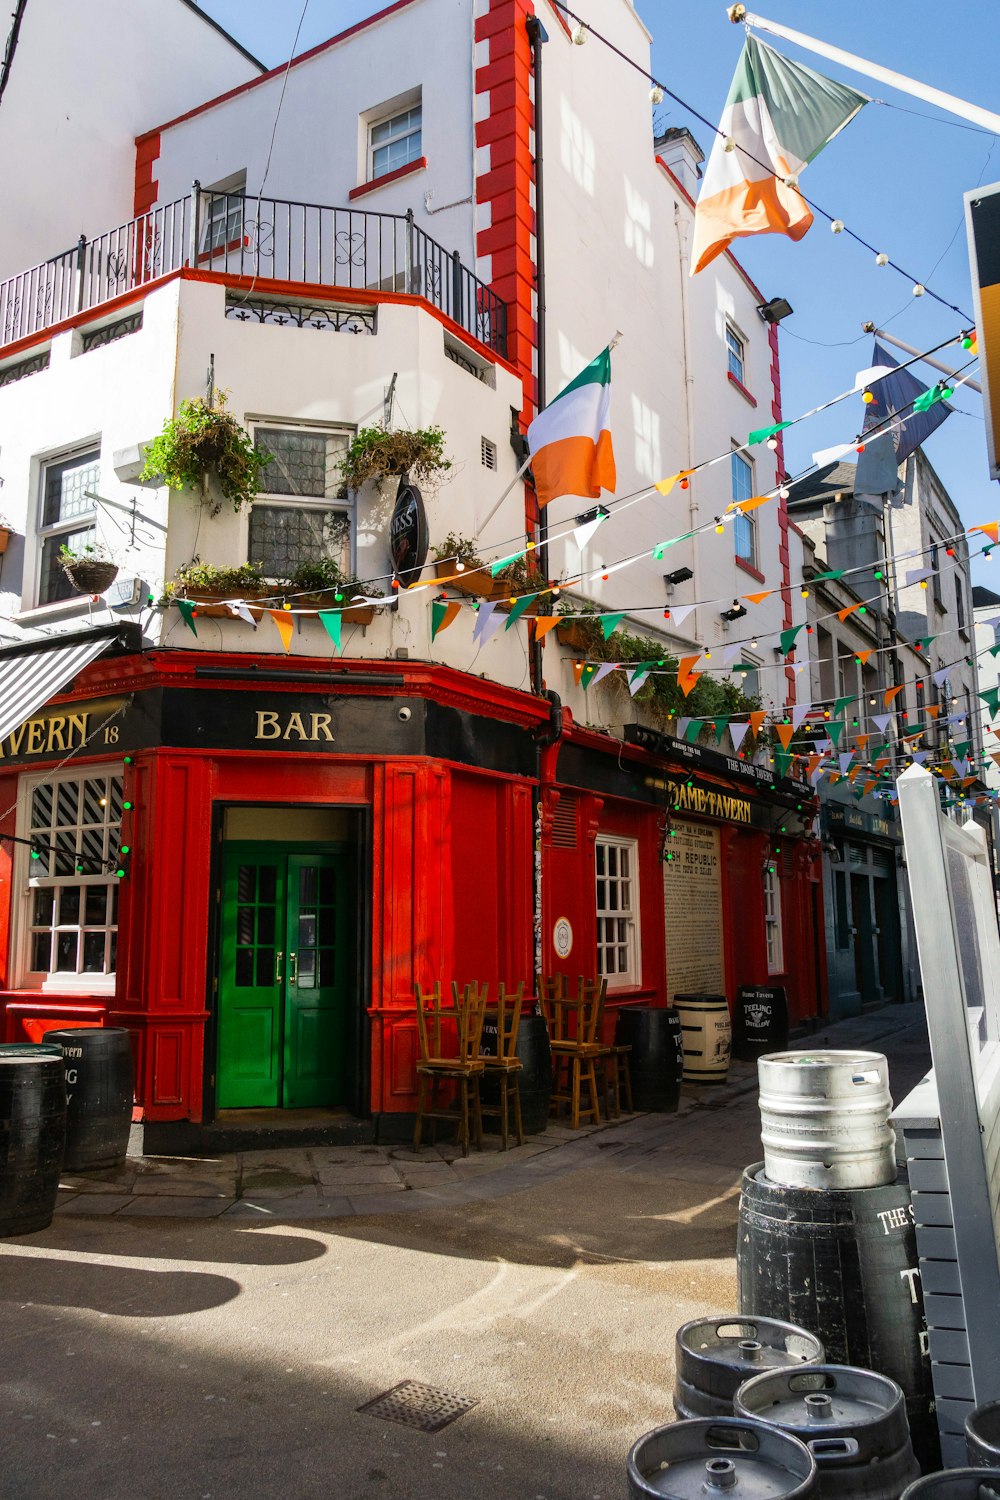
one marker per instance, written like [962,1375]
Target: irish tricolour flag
[570,440]
[778,116]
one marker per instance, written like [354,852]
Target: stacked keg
[826,1236]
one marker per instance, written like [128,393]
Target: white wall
[86,79]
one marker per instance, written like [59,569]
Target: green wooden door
[285,977]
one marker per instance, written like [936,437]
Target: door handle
[293,970]
[278,956]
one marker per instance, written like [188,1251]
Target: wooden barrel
[656,1060]
[707,1036]
[842,1263]
[32,1136]
[99,1091]
[535,1078]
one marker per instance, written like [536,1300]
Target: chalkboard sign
[760,1021]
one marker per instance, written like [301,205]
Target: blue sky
[896,175]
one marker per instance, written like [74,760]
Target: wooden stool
[457,1063]
[574,1027]
[617,1080]
[506,1065]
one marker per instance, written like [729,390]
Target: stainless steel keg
[825,1119]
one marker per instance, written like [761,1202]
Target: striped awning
[28,679]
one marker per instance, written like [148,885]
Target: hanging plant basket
[377,454]
[91,575]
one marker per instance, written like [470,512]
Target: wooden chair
[617,1079]
[574,1034]
[506,1065]
[449,1038]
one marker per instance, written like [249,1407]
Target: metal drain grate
[416,1405]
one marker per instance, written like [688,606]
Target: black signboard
[839,818]
[701,757]
[408,538]
[760,1021]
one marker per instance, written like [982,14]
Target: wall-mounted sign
[692,892]
[408,538]
[562,938]
[56,731]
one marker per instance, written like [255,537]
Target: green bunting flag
[187,609]
[834,573]
[332,622]
[842,703]
[835,729]
[589,670]
[721,725]
[610,623]
[442,614]
[936,393]
[505,562]
[518,609]
[693,730]
[991,697]
[761,434]
[788,638]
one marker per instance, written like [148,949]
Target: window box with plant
[209,586]
[6,530]
[204,442]
[457,561]
[323,585]
[90,569]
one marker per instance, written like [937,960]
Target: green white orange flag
[570,440]
[779,115]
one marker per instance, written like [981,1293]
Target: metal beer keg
[714,1356]
[825,1119]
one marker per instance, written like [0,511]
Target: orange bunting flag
[861,740]
[686,679]
[890,694]
[285,621]
[784,733]
[666,485]
[869,786]
[751,504]
[990,529]
[853,774]
[968,780]
[932,710]
[756,720]
[579,667]
[544,623]
[948,770]
[995,755]
[759,598]
[835,777]
[863,657]
[881,763]
[843,613]
[814,761]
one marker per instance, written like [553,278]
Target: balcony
[262,240]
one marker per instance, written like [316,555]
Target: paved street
[208,1329]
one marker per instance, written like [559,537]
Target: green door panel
[285,977]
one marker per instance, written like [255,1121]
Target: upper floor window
[224,214]
[959,602]
[67,517]
[394,141]
[617,910]
[301,515]
[69,924]
[745,524]
[736,352]
[934,561]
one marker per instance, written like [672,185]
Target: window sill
[61,609]
[748,567]
[734,381]
[218,251]
[387,177]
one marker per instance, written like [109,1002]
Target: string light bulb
[656,94]
[919,290]
[718,525]
[459,566]
[729,144]
[579,34]
[881,259]
[783,493]
[837,226]
[772,443]
[868,398]
[805,593]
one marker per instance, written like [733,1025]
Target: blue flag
[894,394]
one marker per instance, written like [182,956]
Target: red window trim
[748,567]
[377,182]
[734,380]
[219,250]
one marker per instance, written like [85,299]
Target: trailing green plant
[457,548]
[202,440]
[521,577]
[317,574]
[197,577]
[375,453]
[89,552]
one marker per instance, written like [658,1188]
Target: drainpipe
[538,36]
[682,254]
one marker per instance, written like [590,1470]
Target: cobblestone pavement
[332,1182]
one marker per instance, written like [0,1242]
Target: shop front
[250,867]
[863,909]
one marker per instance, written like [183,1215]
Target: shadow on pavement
[170,1239]
[125,1292]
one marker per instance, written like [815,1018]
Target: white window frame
[772,919]
[744,522]
[224,229]
[25,883]
[278,499]
[56,530]
[736,357]
[630,976]
[398,115]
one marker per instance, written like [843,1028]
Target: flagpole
[926,359]
[986,118]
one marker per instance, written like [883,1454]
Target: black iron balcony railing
[266,238]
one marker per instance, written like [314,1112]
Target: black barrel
[698,1460]
[714,1356]
[32,1137]
[99,1090]
[843,1263]
[535,1077]
[656,1061]
[760,1021]
[956,1484]
[982,1436]
[852,1421]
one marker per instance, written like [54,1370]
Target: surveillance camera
[405,714]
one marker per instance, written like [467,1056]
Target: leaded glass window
[305,466]
[68,518]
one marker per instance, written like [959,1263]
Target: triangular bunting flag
[756,720]
[842,703]
[868,786]
[484,614]
[610,623]
[843,613]
[833,573]
[694,728]
[788,638]
[605,668]
[759,598]
[861,740]
[784,733]
[187,610]
[583,534]
[442,615]
[991,697]
[505,562]
[686,679]
[518,609]
[932,710]
[844,760]
[737,733]
[890,694]
[835,730]
[721,725]
[666,485]
[679,613]
[587,675]
[638,676]
[799,712]
[240,610]
[545,623]
[579,667]
[882,721]
[744,505]
[938,677]
[332,623]
[285,622]
[863,656]
[681,727]
[760,434]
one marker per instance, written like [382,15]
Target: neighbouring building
[321,812]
